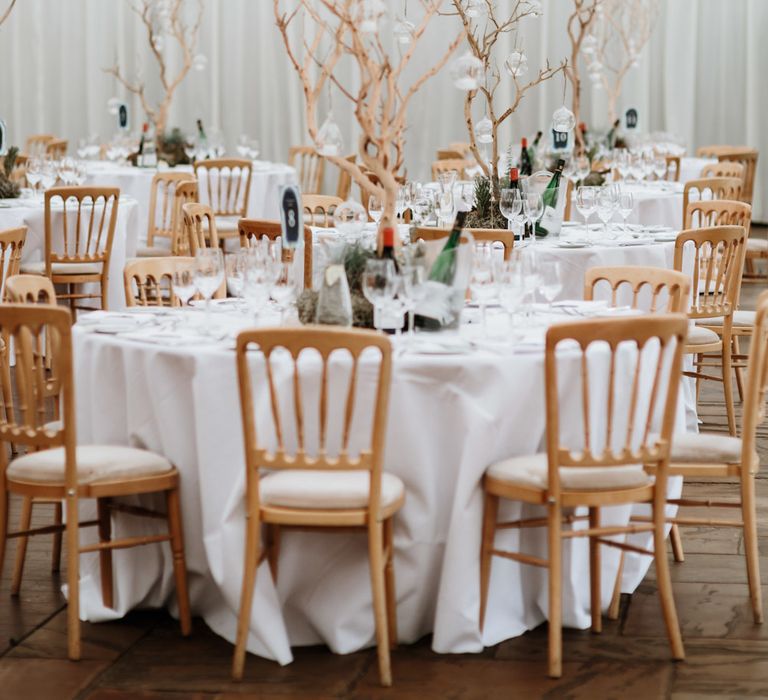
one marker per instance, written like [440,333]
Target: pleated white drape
[703,76]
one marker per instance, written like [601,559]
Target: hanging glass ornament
[473,8]
[535,8]
[484,130]
[467,72]
[563,120]
[330,142]
[350,218]
[200,62]
[369,14]
[516,64]
[403,31]
[589,45]
[113,106]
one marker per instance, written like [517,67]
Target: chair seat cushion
[532,471]
[742,318]
[60,268]
[705,448]
[227,224]
[757,244]
[697,335]
[95,463]
[153,252]
[298,488]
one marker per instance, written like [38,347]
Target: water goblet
[586,203]
[379,285]
[412,289]
[510,205]
[209,274]
[375,208]
[533,208]
[483,282]
[284,288]
[606,206]
[183,285]
[626,204]
[551,280]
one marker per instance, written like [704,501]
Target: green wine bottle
[548,221]
[444,267]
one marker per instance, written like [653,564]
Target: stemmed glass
[510,205]
[34,173]
[446,207]
[586,203]
[235,269]
[512,289]
[660,168]
[412,290]
[259,277]
[420,208]
[183,283]
[606,206]
[209,274]
[626,206]
[49,175]
[68,170]
[284,289]
[582,167]
[551,280]
[375,208]
[379,285]
[533,208]
[242,146]
[401,201]
[483,283]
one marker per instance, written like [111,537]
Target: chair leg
[376,560]
[105,555]
[490,513]
[738,370]
[58,519]
[749,517]
[252,555]
[554,526]
[664,581]
[594,573]
[389,581]
[179,561]
[613,608]
[677,543]
[728,386]
[3,522]
[698,379]
[273,549]
[73,578]
[25,521]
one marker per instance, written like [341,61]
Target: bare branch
[6,14]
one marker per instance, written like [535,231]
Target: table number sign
[122,116]
[631,118]
[560,140]
[291,216]
[3,139]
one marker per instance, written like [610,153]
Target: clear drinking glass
[483,282]
[68,170]
[586,203]
[258,278]
[446,207]
[49,175]
[209,275]
[533,208]
[551,280]
[512,289]
[412,290]
[625,207]
[183,283]
[242,147]
[660,168]
[379,285]
[510,205]
[284,288]
[375,207]
[606,206]
[34,173]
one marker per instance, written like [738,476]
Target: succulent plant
[8,188]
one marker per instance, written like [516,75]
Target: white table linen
[31,213]
[690,167]
[450,417]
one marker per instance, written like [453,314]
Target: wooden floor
[144,656]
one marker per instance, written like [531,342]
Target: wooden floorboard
[143,656]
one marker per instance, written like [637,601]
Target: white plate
[573,244]
[665,237]
[114,328]
[618,312]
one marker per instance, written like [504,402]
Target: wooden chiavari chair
[737,154]
[444,166]
[82,254]
[227,189]
[503,236]
[149,282]
[30,289]
[200,227]
[56,148]
[318,209]
[252,230]
[600,467]
[165,211]
[652,289]
[362,497]
[718,260]
[57,468]
[310,166]
[710,188]
[344,183]
[673,168]
[450,154]
[723,169]
[36,144]
[185,193]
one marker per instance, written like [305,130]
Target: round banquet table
[263,199]
[690,167]
[450,416]
[30,212]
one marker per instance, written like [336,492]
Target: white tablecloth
[450,417]
[263,201]
[31,213]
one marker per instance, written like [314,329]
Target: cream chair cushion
[95,463]
[227,224]
[757,244]
[741,319]
[532,471]
[59,268]
[153,252]
[705,448]
[697,335]
[298,488]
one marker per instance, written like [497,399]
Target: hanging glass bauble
[467,72]
[369,14]
[589,45]
[516,64]
[535,8]
[403,31]
[595,67]
[350,218]
[329,139]
[200,62]
[563,120]
[113,106]
[473,8]
[484,130]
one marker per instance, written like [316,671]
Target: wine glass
[258,277]
[483,282]
[375,208]
[512,289]
[420,208]
[401,201]
[209,274]
[606,206]
[284,287]
[551,280]
[379,285]
[190,148]
[510,205]
[626,206]
[586,203]
[412,290]
[67,170]
[533,208]
[183,284]
[49,175]
[235,265]
[660,168]
[243,146]
[445,207]
[34,173]
[582,166]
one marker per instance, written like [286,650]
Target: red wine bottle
[526,167]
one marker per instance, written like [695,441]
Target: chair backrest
[710,188]
[56,148]
[30,289]
[449,154]
[251,230]
[318,209]
[11,246]
[88,219]
[745,155]
[568,199]
[344,183]
[149,281]
[30,328]
[718,212]
[163,212]
[723,169]
[444,166]
[185,193]
[626,399]
[227,184]
[200,226]
[673,168]
[310,166]
[324,429]
[756,387]
[480,235]
[650,287]
[36,143]
[718,261]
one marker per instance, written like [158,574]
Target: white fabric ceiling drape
[702,76]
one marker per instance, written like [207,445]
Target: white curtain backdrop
[703,76]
